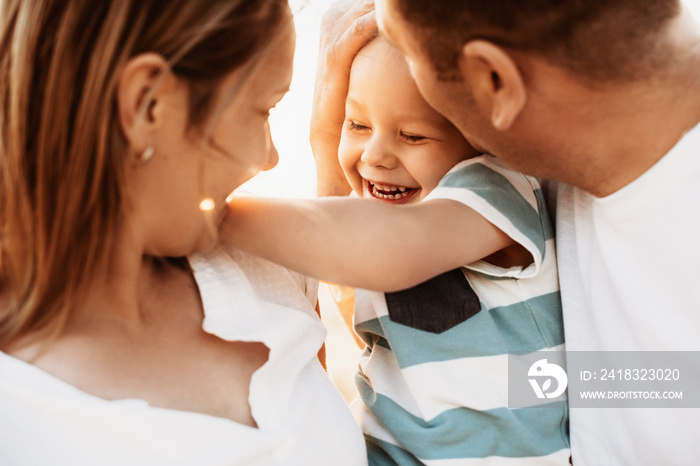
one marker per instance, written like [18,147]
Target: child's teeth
[389,192]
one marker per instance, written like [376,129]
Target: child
[433,378]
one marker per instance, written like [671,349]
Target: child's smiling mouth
[389,192]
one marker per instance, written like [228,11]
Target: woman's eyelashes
[410,138]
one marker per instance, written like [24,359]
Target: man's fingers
[342,13]
[337,19]
[345,28]
[343,50]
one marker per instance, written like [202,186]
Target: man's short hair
[596,39]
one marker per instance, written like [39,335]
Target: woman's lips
[389,192]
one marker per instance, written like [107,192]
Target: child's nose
[378,153]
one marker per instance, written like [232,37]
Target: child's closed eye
[355,126]
[412,138]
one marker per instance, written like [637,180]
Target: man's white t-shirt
[629,267]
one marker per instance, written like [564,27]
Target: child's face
[394,147]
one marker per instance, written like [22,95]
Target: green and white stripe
[441,398]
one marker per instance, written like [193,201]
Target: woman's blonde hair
[62,150]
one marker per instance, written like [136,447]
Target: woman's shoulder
[250,277]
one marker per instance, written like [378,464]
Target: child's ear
[497,84]
[137,97]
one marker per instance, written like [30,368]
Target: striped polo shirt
[433,378]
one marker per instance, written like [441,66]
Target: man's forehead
[384,8]
[380,7]
[387,15]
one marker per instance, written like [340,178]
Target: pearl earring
[145,156]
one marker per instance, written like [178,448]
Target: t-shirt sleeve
[511,201]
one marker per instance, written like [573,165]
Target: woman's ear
[496,81]
[137,96]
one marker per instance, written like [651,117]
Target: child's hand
[345,28]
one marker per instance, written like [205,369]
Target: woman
[127,335]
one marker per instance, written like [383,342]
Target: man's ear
[137,96]
[496,81]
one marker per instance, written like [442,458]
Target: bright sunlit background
[295,175]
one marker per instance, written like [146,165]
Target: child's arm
[363,243]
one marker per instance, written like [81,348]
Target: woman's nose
[273,156]
[378,153]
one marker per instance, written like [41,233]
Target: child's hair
[598,39]
[62,150]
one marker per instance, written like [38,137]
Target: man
[604,98]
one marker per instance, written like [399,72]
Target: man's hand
[345,28]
